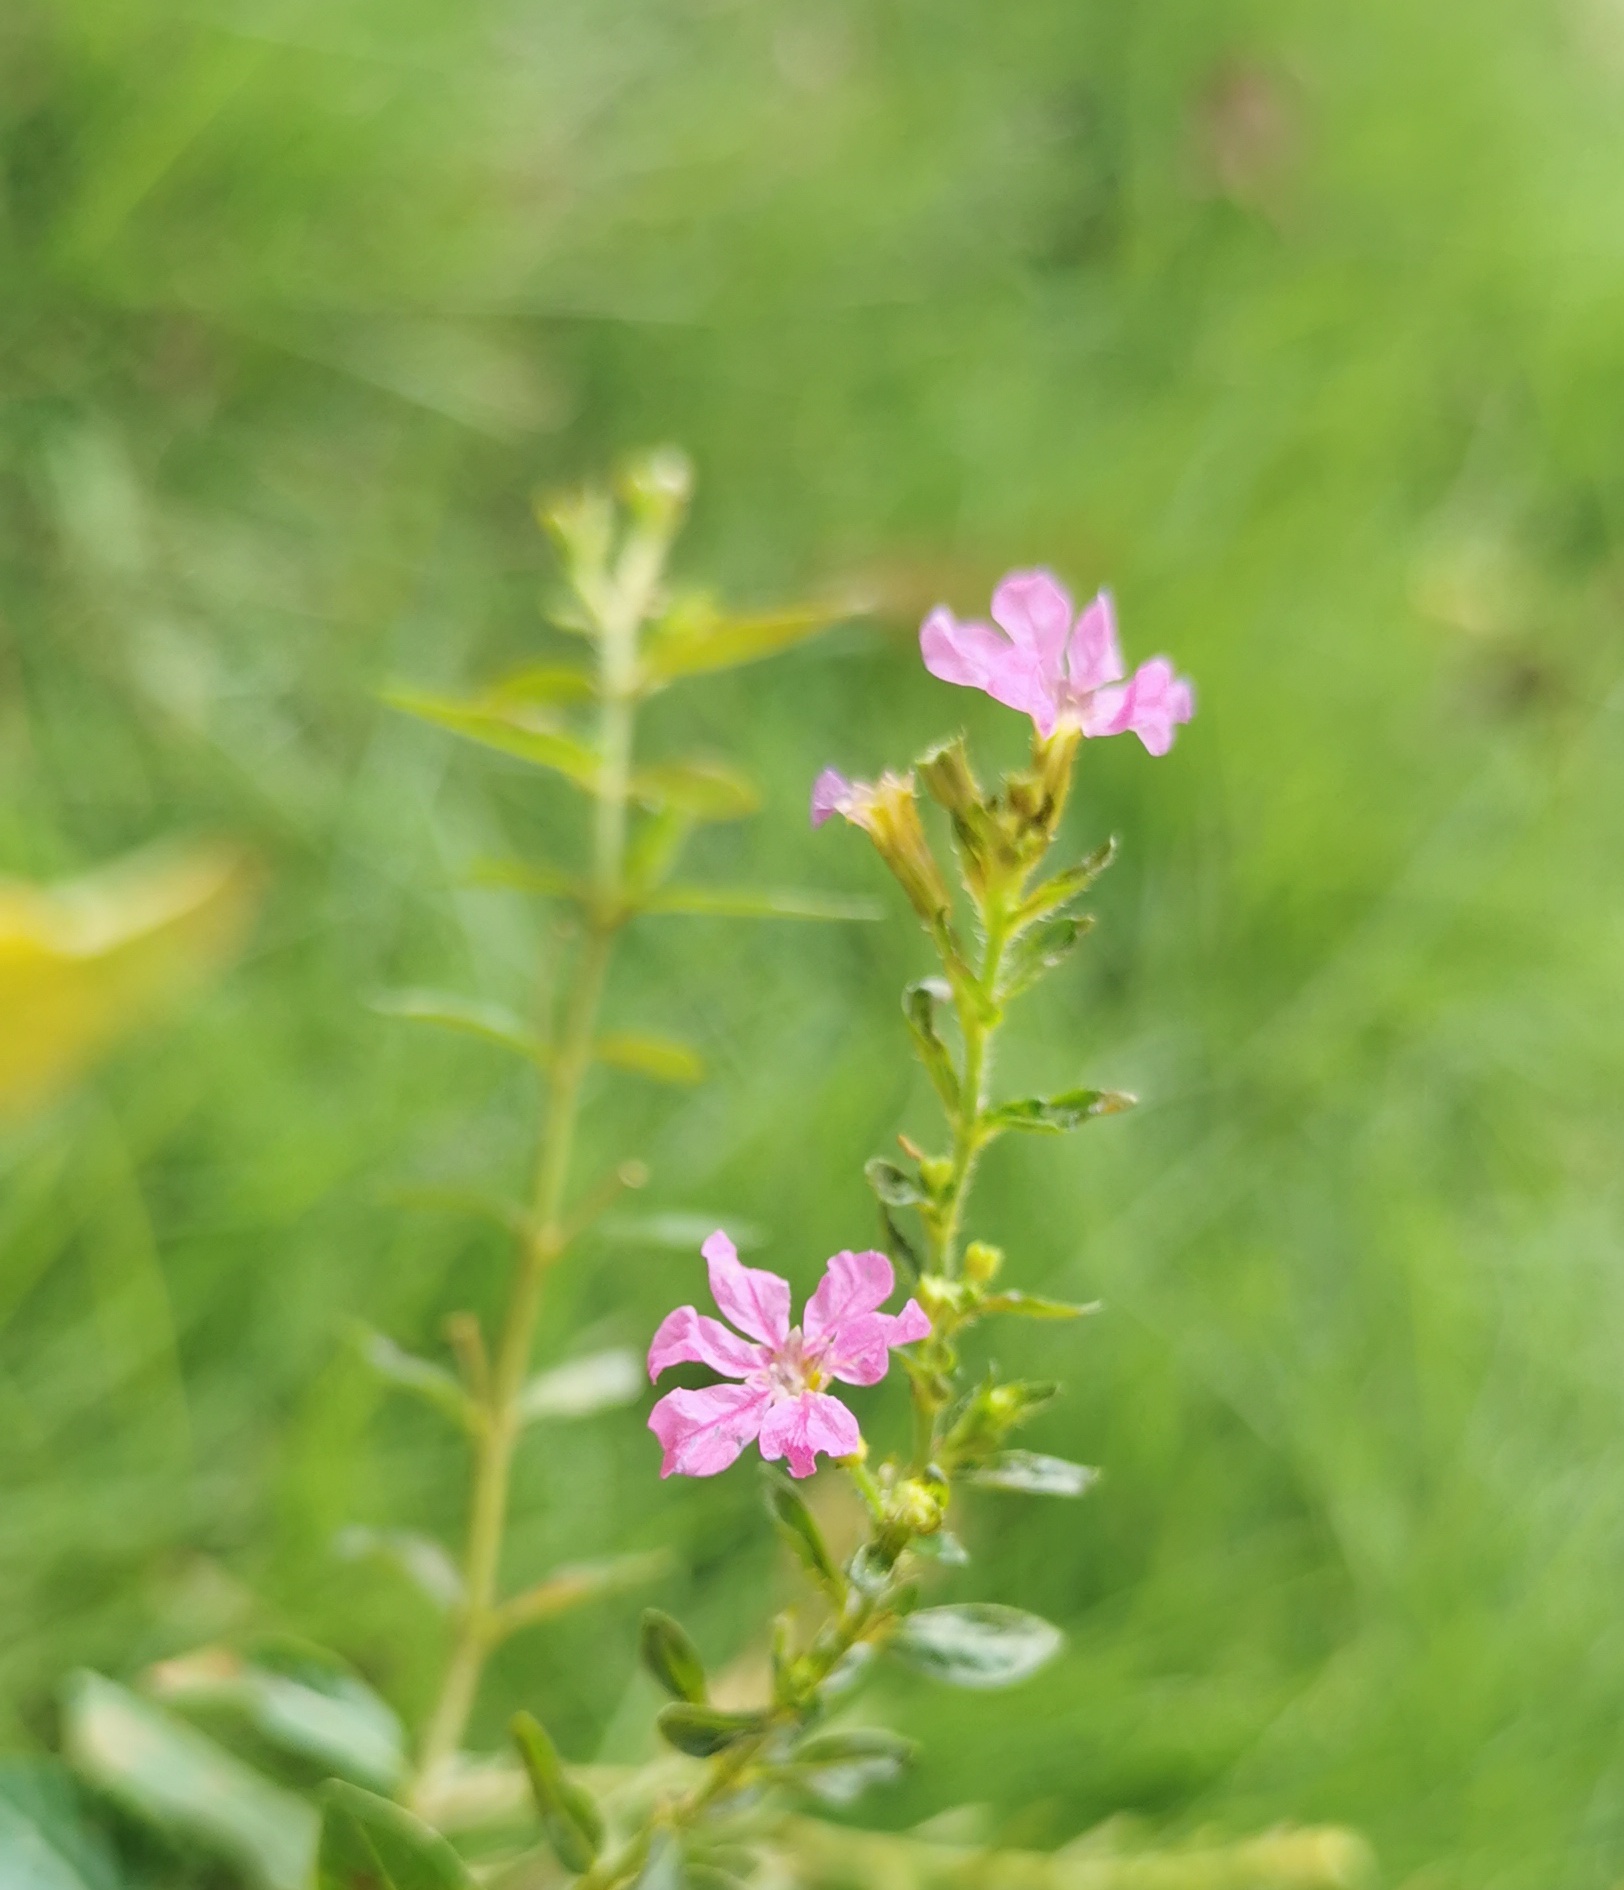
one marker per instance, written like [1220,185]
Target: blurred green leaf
[1038,952]
[474,1017]
[748,902]
[1035,1474]
[599,1381]
[671,1657]
[919,1002]
[695,637]
[704,790]
[542,685]
[976,1644]
[405,1371]
[1071,884]
[170,1776]
[1034,1306]
[369,1843]
[942,1547]
[569,1815]
[425,1563]
[576,1584]
[894,1188]
[47,1839]
[313,1709]
[1054,1115]
[799,1529]
[704,1731]
[839,1767]
[680,1232]
[512,730]
[547,882]
[662,1058]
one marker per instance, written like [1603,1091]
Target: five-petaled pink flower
[1050,668]
[783,1368]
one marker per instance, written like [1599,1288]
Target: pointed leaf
[47,1838]
[1034,1306]
[661,1058]
[706,790]
[694,637]
[944,1548]
[679,1232]
[1037,1475]
[598,1382]
[894,1188]
[425,1563]
[919,1002]
[1069,885]
[750,902]
[978,1644]
[513,730]
[368,1843]
[474,1017]
[703,1731]
[420,1376]
[671,1657]
[839,1766]
[1049,943]
[164,1773]
[799,1529]
[1054,1115]
[547,882]
[569,1814]
[542,685]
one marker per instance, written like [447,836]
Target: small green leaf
[944,1548]
[1054,1115]
[662,1058]
[405,1371]
[368,1843]
[1037,1475]
[47,1839]
[542,685]
[1034,1306]
[547,882]
[703,1731]
[919,1002]
[797,1525]
[597,1382]
[1067,886]
[656,844]
[694,637]
[977,1644]
[166,1774]
[671,1657]
[569,1814]
[511,729]
[422,1560]
[706,790]
[678,1231]
[1049,943]
[894,1188]
[492,1023]
[749,902]
[302,1703]
[839,1766]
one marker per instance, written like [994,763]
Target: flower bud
[916,1507]
[949,777]
[657,485]
[888,813]
[982,1262]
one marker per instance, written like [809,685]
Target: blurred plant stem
[617,607]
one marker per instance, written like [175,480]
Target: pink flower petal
[1094,657]
[910,1325]
[859,1352]
[687,1337]
[798,1428]
[977,657]
[829,792]
[702,1432]
[1035,609]
[1158,701]
[1109,711]
[853,1283]
[756,1301]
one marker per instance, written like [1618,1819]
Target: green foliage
[571,1819]
[703,1732]
[671,1657]
[367,1843]
[982,1645]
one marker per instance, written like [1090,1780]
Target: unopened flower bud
[981,1262]
[916,1507]
[949,777]
[888,813]
[658,485]
[581,524]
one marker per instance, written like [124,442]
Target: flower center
[790,1371]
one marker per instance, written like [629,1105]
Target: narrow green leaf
[1035,1474]
[369,1843]
[569,1814]
[1049,943]
[1054,1115]
[422,1560]
[429,1198]
[662,1058]
[671,1657]
[694,638]
[978,1644]
[599,1381]
[919,1002]
[522,733]
[797,1525]
[749,902]
[542,685]
[47,1838]
[942,1547]
[901,1249]
[839,1766]
[576,1584]
[679,1232]
[1067,886]
[1034,1306]
[168,1775]
[703,1731]
[656,844]
[706,790]
[405,1371]
[547,882]
[894,1188]
[302,1703]
[474,1017]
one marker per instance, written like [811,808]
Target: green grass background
[1301,326]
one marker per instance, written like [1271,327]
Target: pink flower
[832,794]
[782,1369]
[1050,668]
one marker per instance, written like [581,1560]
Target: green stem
[545,1239]
[979,1018]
